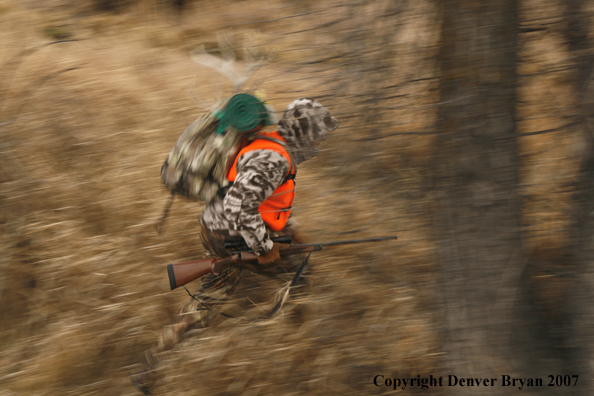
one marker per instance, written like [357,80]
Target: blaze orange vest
[275,209]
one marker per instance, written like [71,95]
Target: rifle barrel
[352,241]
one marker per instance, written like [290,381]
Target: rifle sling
[159,225]
[293,283]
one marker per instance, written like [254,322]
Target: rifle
[182,273]
[237,245]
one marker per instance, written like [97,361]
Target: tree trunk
[579,337]
[475,179]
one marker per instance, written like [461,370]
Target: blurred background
[465,130]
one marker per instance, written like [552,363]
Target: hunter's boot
[144,376]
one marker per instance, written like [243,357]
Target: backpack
[197,164]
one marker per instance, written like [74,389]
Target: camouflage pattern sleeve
[259,173]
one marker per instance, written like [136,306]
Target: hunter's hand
[273,254]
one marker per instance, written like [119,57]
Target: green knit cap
[243,112]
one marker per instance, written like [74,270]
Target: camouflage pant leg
[215,289]
[200,310]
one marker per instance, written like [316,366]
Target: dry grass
[85,127]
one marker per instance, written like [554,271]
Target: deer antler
[226,64]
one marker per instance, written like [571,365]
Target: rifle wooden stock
[182,273]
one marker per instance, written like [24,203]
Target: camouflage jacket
[304,125]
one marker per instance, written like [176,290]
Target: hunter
[255,207]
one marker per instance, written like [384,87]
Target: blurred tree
[582,228]
[489,300]
[475,170]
